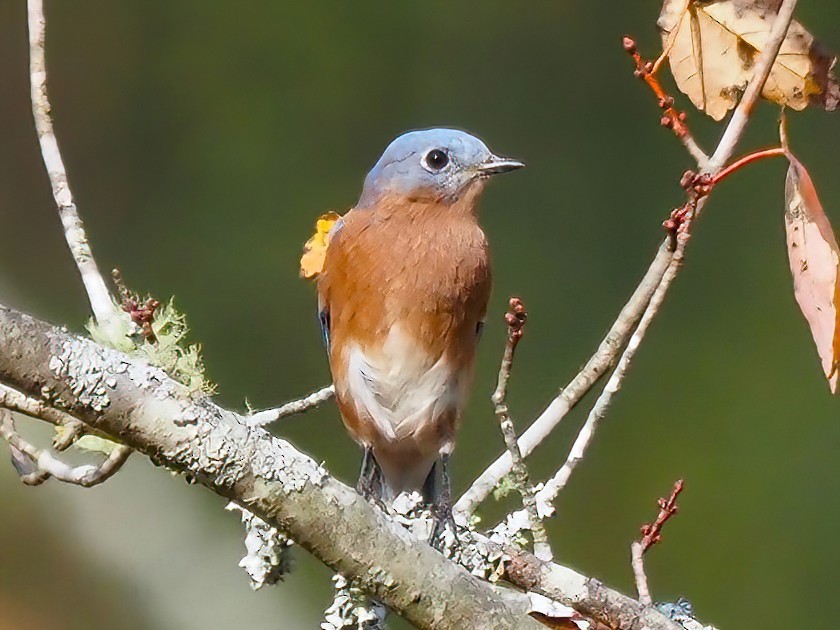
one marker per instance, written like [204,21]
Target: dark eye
[436,159]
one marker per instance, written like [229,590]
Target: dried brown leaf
[713,47]
[815,264]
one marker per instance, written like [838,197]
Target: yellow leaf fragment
[815,264]
[315,249]
[713,46]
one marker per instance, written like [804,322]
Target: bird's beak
[496,165]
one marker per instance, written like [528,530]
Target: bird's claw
[441,518]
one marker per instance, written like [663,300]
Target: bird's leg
[370,477]
[438,493]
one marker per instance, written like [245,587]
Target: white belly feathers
[400,388]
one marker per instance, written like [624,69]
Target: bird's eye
[436,159]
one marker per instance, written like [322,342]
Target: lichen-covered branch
[590,597]
[142,407]
[74,231]
[139,404]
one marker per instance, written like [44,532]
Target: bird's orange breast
[406,286]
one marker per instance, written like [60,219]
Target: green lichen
[169,350]
[90,443]
[505,486]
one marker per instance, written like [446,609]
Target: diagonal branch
[554,485]
[267,476]
[139,404]
[665,265]
[595,368]
[741,116]
[74,230]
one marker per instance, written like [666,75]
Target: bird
[402,301]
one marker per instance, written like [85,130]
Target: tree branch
[554,485]
[267,416]
[666,264]
[74,231]
[141,406]
[741,116]
[594,369]
[42,464]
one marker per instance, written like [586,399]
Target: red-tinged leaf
[814,262]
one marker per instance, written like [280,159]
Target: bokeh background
[202,139]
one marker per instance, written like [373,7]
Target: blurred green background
[202,139]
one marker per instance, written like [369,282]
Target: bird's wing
[323,306]
[324,322]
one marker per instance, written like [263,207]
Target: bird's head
[432,164]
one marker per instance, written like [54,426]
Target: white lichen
[84,368]
[268,557]
[353,608]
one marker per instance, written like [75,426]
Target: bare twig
[44,464]
[594,369]
[74,231]
[637,561]
[741,116]
[13,400]
[663,270]
[516,318]
[651,535]
[599,410]
[671,118]
[73,430]
[267,416]
[747,159]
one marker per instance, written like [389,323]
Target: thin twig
[671,117]
[741,116]
[46,465]
[554,485]
[13,400]
[267,416]
[637,561]
[541,427]
[594,369]
[651,535]
[516,318]
[73,428]
[74,231]
[747,159]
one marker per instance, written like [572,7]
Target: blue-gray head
[440,164]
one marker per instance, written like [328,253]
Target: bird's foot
[369,484]
[444,530]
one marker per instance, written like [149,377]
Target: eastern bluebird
[402,300]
